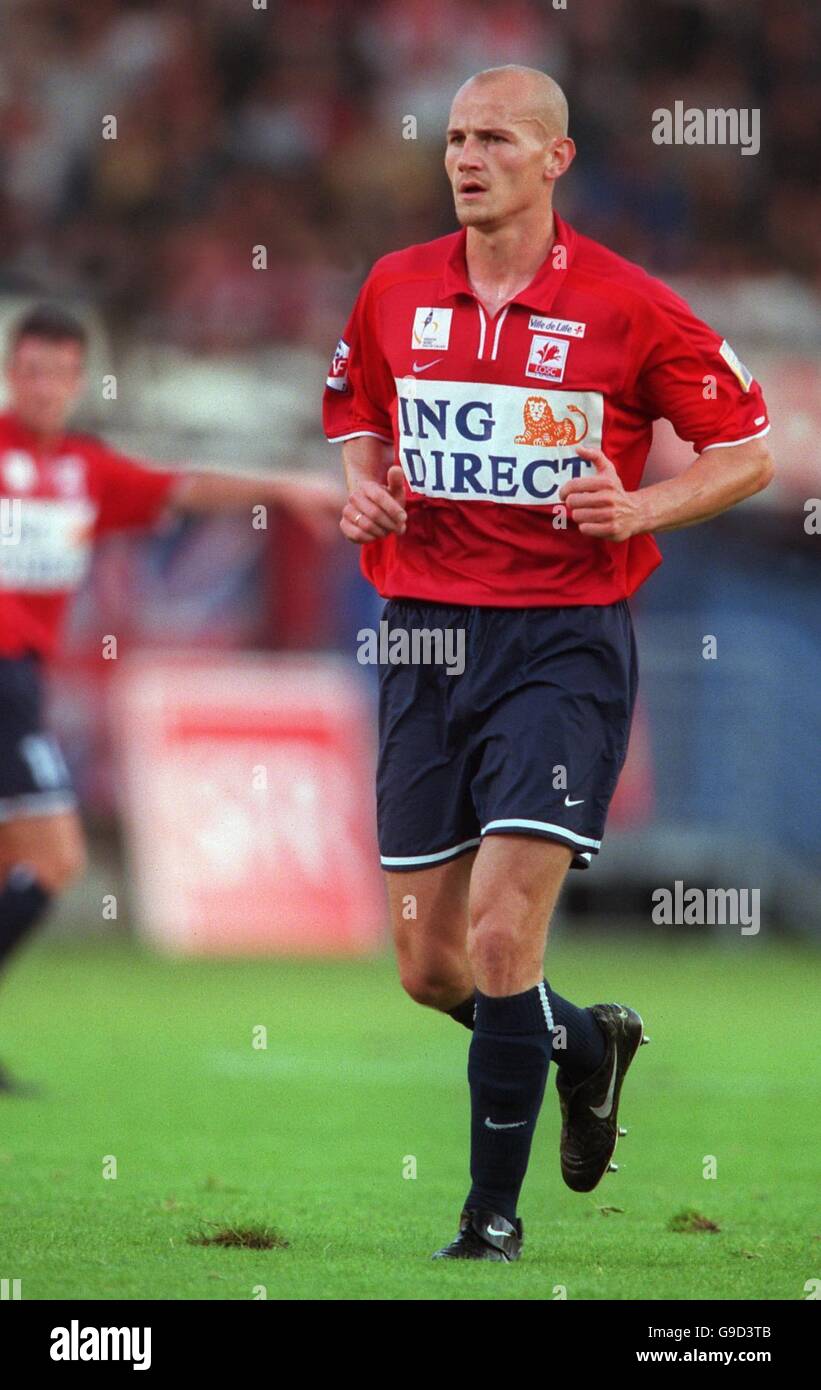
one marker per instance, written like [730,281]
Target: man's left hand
[599,505]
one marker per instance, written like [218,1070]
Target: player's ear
[561,154]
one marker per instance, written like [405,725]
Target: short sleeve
[128,493]
[359,388]
[690,376]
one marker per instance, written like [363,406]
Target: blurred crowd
[242,123]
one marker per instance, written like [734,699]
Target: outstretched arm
[715,481]
[313,498]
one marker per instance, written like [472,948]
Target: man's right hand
[375,510]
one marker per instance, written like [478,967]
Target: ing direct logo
[540,426]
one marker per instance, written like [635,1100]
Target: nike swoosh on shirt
[423,366]
[602,1111]
[517,1124]
[568,802]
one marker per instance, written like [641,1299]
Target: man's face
[495,157]
[45,381]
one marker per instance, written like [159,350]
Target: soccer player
[494,392]
[58,493]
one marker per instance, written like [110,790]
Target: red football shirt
[485,415]
[54,501]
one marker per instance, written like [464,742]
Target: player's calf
[429,920]
[52,848]
[39,857]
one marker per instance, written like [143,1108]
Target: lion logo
[541,427]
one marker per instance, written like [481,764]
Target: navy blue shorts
[34,779]
[529,740]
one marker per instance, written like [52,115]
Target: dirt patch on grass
[241,1238]
[689,1222]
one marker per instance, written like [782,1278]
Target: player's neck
[503,261]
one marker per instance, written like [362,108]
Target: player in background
[494,393]
[58,492]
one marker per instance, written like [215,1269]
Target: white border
[29,804]
[482,328]
[728,443]
[541,825]
[388,861]
[357,434]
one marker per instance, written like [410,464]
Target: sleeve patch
[737,367]
[338,376]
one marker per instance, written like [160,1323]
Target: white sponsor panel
[52,548]
[69,476]
[431,328]
[474,441]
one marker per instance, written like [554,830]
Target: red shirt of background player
[56,500]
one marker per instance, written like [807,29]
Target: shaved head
[507,143]
[527,93]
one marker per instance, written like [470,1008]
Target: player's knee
[433,988]
[493,947]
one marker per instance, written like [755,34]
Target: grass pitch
[244,1171]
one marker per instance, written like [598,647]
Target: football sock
[464,1012]
[22,903]
[584,1046]
[507,1069]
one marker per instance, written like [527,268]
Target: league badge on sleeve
[737,367]
[338,378]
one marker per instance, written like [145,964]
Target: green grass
[151,1061]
